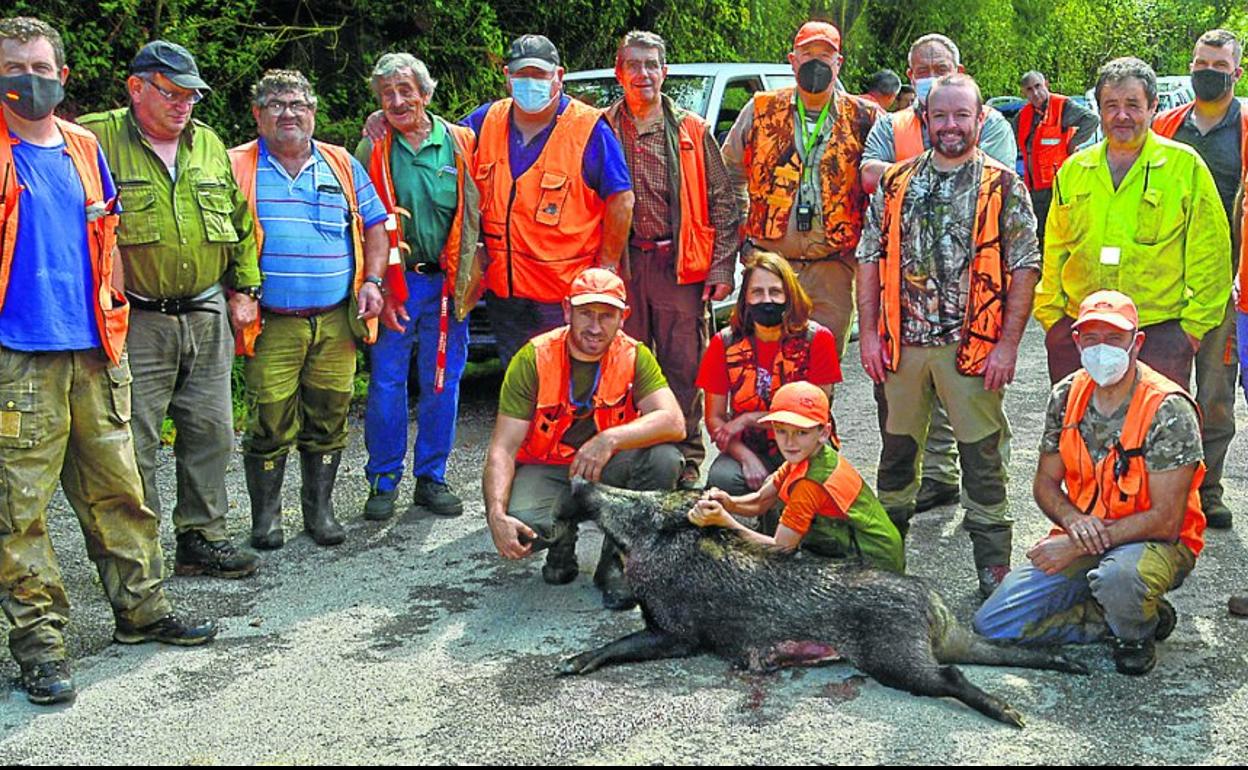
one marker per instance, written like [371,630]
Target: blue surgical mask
[921,87]
[531,94]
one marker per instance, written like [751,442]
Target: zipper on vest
[511,199]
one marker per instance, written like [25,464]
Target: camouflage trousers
[67,414]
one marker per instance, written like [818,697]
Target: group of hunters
[138,255]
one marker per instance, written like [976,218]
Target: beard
[946,145]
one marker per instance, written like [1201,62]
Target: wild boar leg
[646,644]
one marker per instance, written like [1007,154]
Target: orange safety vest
[791,364]
[243,160]
[989,279]
[553,415]
[456,252]
[695,244]
[774,169]
[843,484]
[1047,149]
[1167,124]
[112,312]
[908,133]
[1117,486]
[544,228]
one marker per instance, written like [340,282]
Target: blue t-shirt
[603,167]
[50,300]
[307,259]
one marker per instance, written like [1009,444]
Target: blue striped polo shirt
[307,259]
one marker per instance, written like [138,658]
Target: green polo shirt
[177,236]
[426,184]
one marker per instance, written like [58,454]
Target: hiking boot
[933,494]
[1217,515]
[689,478]
[264,487]
[48,682]
[380,505]
[317,496]
[198,555]
[1135,657]
[167,630]
[1238,605]
[436,497]
[991,577]
[1167,619]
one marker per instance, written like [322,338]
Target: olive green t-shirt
[518,396]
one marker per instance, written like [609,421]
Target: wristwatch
[251,291]
[374,280]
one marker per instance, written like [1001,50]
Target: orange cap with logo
[598,285]
[801,404]
[1111,307]
[813,31]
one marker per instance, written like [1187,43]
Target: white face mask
[1105,363]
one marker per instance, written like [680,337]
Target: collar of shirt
[437,135]
[1152,155]
[541,136]
[186,140]
[642,128]
[1229,120]
[813,115]
[310,162]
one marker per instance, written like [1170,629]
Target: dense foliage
[336,41]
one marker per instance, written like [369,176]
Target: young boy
[828,509]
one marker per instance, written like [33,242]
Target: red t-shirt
[825,364]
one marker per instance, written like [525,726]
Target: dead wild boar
[709,590]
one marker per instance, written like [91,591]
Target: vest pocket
[119,380]
[217,209]
[1148,218]
[20,427]
[139,222]
[554,194]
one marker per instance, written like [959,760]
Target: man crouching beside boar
[582,400]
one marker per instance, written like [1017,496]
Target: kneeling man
[582,400]
[1125,442]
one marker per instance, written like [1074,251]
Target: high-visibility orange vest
[774,169]
[842,485]
[112,312]
[691,219]
[544,228]
[244,160]
[458,250]
[989,279]
[908,133]
[612,400]
[791,364]
[1117,486]
[1047,149]
[1167,124]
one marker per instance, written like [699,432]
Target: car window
[736,93]
[689,91]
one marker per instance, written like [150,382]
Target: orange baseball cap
[813,31]
[598,285]
[799,403]
[1112,307]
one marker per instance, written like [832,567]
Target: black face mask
[767,313]
[814,76]
[1210,85]
[31,96]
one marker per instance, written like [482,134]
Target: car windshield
[689,91]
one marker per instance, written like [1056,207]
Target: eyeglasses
[190,97]
[276,107]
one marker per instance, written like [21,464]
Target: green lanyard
[810,141]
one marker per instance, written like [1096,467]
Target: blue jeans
[1241,330]
[385,420]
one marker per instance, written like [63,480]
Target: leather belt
[426,268]
[202,302]
[661,248]
[305,312]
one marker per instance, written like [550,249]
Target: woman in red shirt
[770,340]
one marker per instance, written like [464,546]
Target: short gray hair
[278,82]
[1031,75]
[1221,38]
[641,39]
[391,64]
[935,38]
[1126,68]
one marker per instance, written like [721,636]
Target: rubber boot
[901,520]
[264,486]
[319,472]
[609,576]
